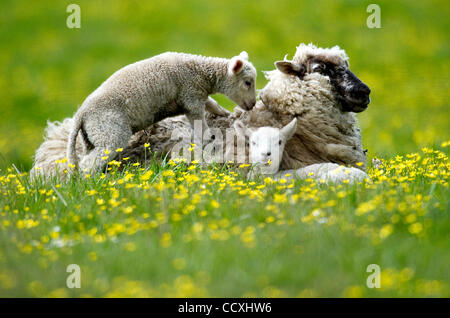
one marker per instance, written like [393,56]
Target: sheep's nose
[364,89]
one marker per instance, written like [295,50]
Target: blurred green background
[48,69]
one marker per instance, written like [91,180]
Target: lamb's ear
[244,55]
[241,129]
[290,68]
[235,66]
[288,131]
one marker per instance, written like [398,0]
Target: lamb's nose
[251,104]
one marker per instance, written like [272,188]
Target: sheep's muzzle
[352,92]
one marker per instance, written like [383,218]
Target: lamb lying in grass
[266,146]
[148,91]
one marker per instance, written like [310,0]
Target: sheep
[148,91]
[266,146]
[327,129]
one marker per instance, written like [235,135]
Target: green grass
[186,231]
[247,246]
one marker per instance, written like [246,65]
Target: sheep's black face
[351,92]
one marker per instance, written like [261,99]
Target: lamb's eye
[253,143]
[280,142]
[248,83]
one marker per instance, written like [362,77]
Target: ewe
[148,91]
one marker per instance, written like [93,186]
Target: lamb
[266,146]
[148,91]
[327,129]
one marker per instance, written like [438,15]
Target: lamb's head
[240,82]
[266,145]
[331,64]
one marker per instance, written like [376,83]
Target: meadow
[171,229]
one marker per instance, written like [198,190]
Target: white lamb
[266,146]
[148,91]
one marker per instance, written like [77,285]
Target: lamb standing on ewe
[148,91]
[327,128]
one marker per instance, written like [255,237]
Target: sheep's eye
[280,142]
[319,67]
[340,69]
[248,83]
[253,143]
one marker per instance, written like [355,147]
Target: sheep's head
[351,93]
[266,145]
[241,80]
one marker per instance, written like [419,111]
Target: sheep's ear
[289,130]
[241,129]
[244,55]
[290,68]
[235,66]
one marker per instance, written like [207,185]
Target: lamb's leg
[316,171]
[331,172]
[106,131]
[213,107]
[196,112]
